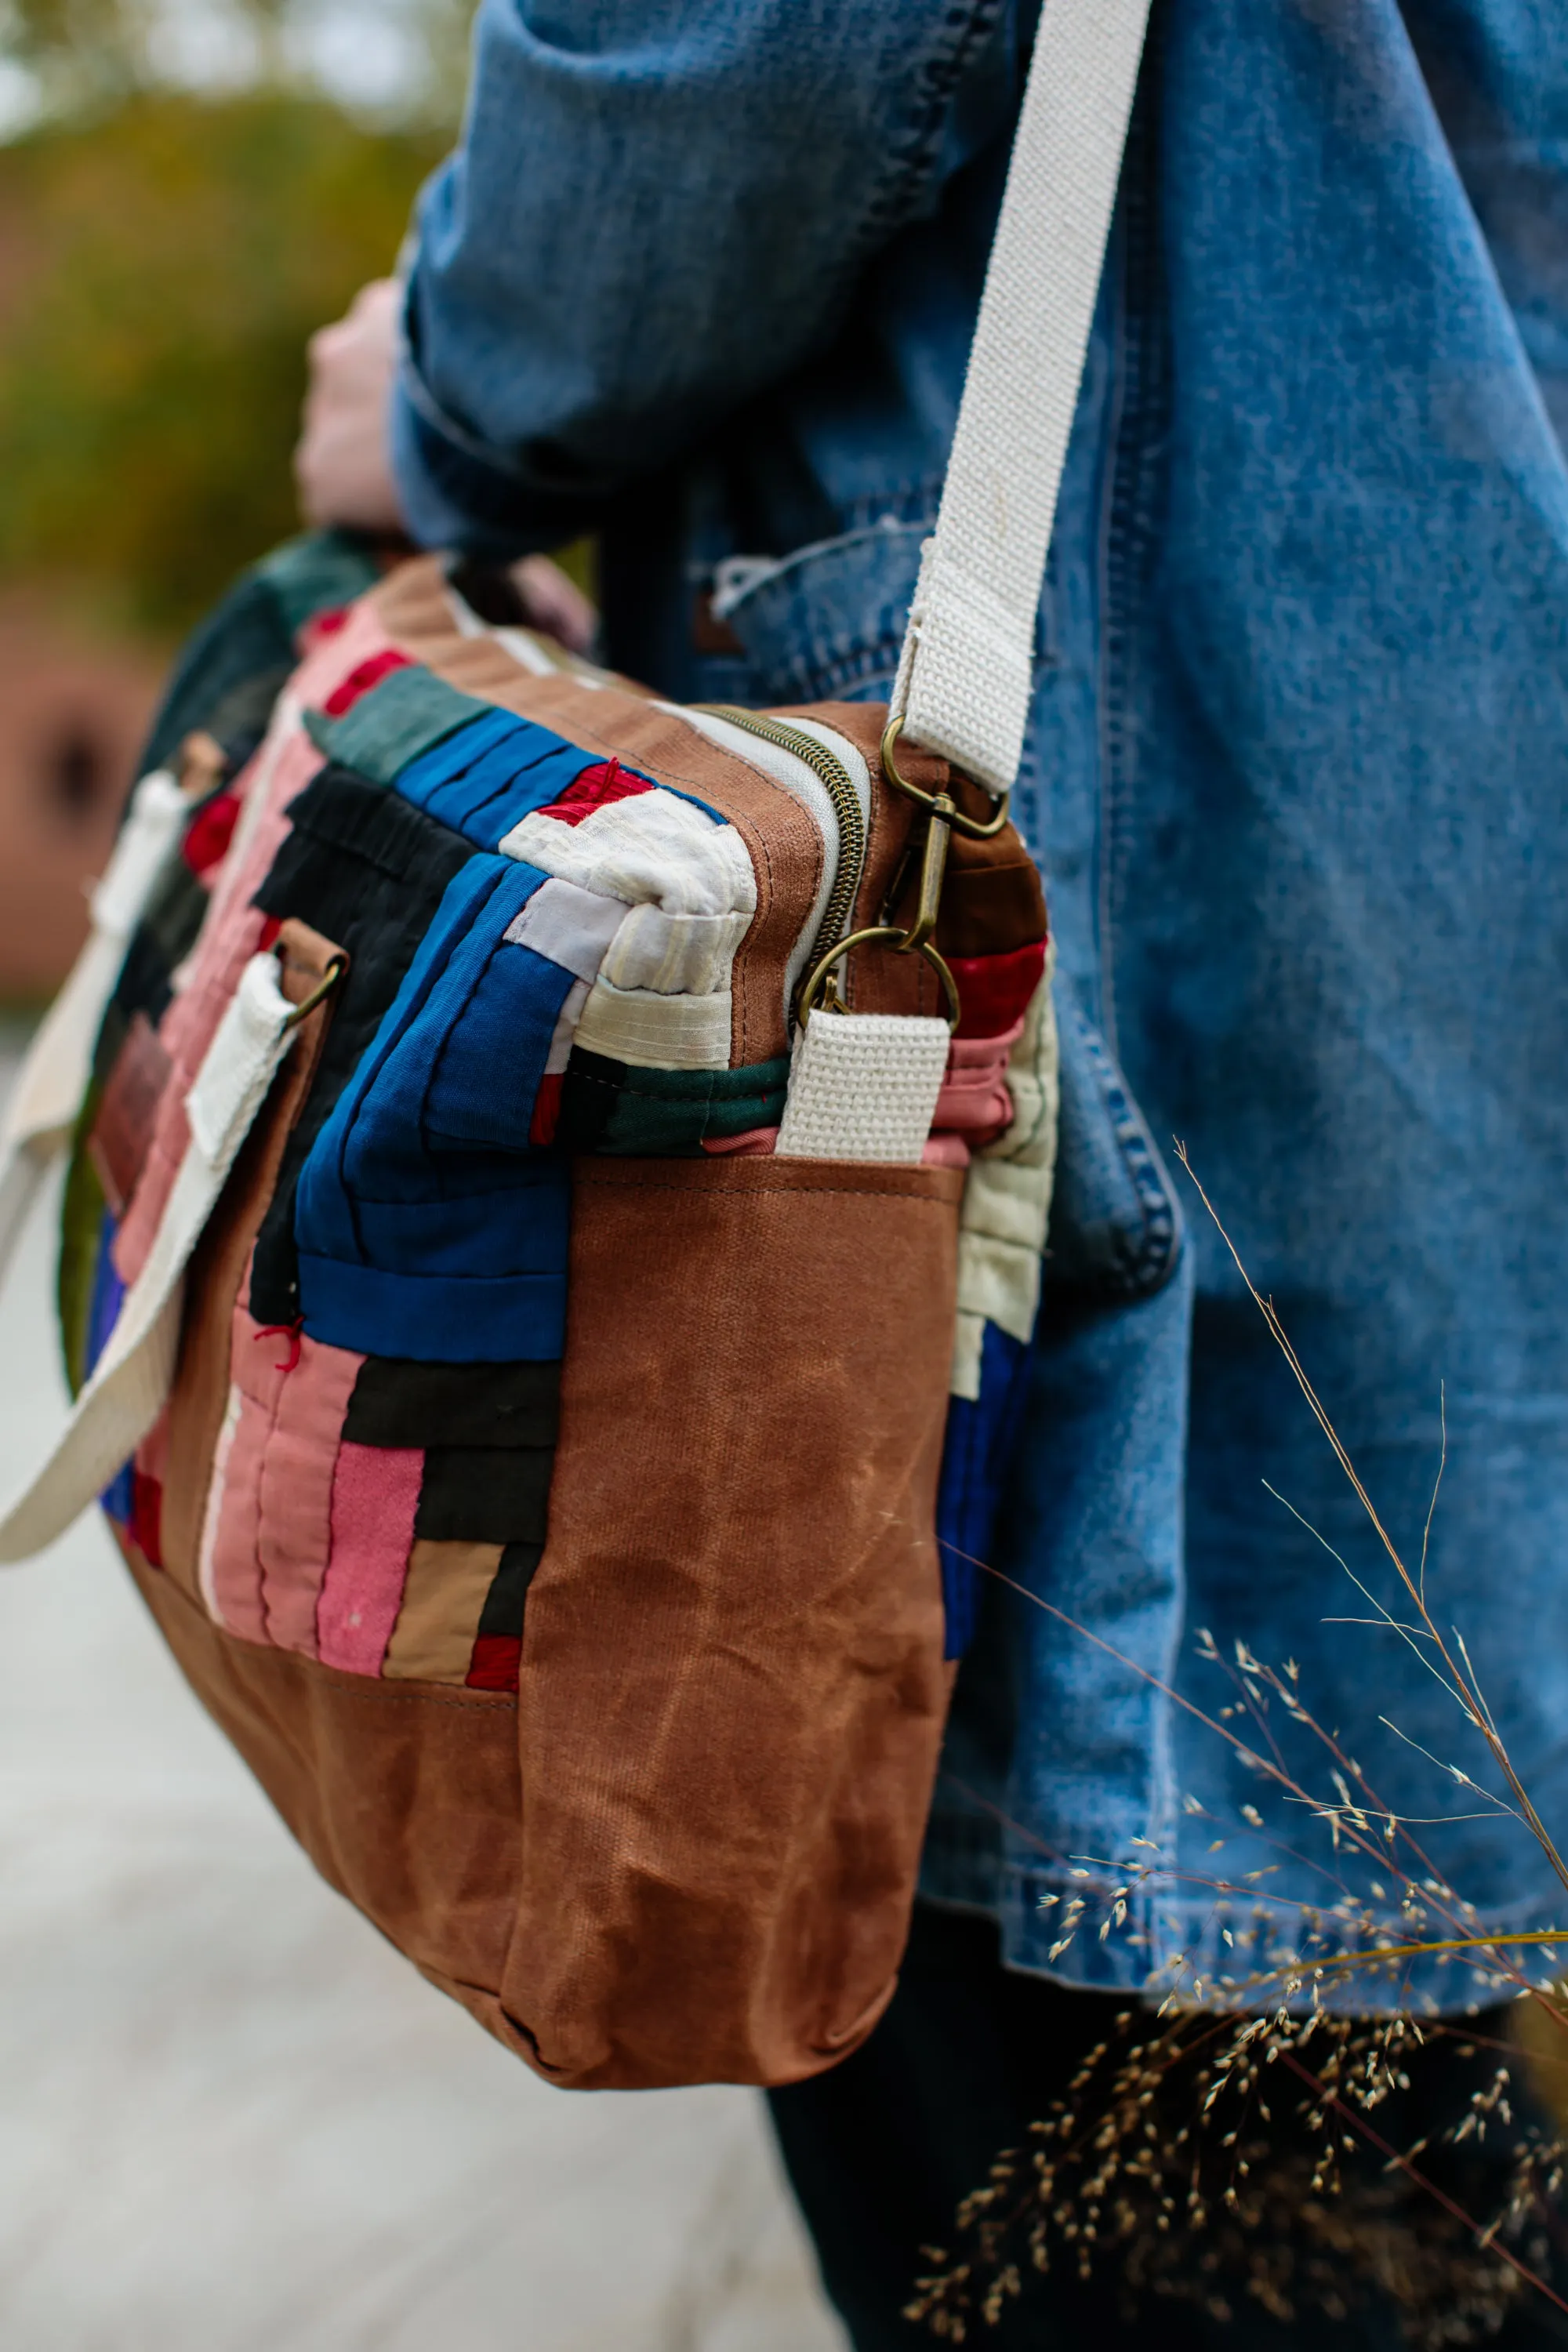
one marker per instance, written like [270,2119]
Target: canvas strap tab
[864,1087]
[48,1091]
[966,675]
[132,1377]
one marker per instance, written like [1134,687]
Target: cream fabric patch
[656,1033]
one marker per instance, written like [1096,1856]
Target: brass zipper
[839,786]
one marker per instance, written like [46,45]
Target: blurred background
[187,189]
[231,2118]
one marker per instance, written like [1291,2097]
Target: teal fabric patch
[316,572]
[609,1106]
[397,719]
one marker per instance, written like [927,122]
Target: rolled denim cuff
[456,492]
[451,495]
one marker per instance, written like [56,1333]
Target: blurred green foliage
[165,256]
[161,268]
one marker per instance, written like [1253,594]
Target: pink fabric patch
[945,1152]
[595,788]
[233,930]
[975,1095]
[273,1531]
[362,678]
[754,1143]
[374,1496]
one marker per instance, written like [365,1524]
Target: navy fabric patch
[368,873]
[975,1455]
[426,1227]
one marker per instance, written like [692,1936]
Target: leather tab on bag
[304,958]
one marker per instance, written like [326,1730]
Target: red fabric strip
[146,1517]
[209,832]
[546,1110]
[994,992]
[595,788]
[496,1660]
[361,679]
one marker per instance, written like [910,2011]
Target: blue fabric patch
[435,1319]
[102,1314]
[483,781]
[107,1295]
[425,1226]
[488,778]
[978,1446]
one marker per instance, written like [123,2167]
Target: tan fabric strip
[433,1640]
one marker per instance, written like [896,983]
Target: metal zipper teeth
[839,786]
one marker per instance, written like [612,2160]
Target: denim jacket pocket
[826,624]
[1116,1226]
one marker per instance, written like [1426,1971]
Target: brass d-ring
[889,934]
[921,799]
[319,994]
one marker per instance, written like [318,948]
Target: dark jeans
[880,2150]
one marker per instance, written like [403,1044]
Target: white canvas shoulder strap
[965,681]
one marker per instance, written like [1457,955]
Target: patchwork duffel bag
[554,1225]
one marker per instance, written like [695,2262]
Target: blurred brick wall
[73,714]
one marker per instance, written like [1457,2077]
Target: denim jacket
[701,276]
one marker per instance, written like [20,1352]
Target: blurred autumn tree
[164,254]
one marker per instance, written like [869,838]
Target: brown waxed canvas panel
[741,1582]
[404,1797]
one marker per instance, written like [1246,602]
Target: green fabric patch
[404,715]
[662,1114]
[316,571]
[81,1223]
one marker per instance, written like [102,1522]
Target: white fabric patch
[1007,1200]
[863,1086]
[654,1032]
[131,1381]
[675,955]
[568,926]
[565,1029]
[46,1095]
[653,847]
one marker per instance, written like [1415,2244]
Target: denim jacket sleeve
[657,208]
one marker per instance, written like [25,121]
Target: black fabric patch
[485,1494]
[395,1402]
[588,1099]
[367,870]
[502,1612]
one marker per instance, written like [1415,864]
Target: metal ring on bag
[921,799]
[319,994]
[805,997]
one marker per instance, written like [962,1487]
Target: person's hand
[553,602]
[342,463]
